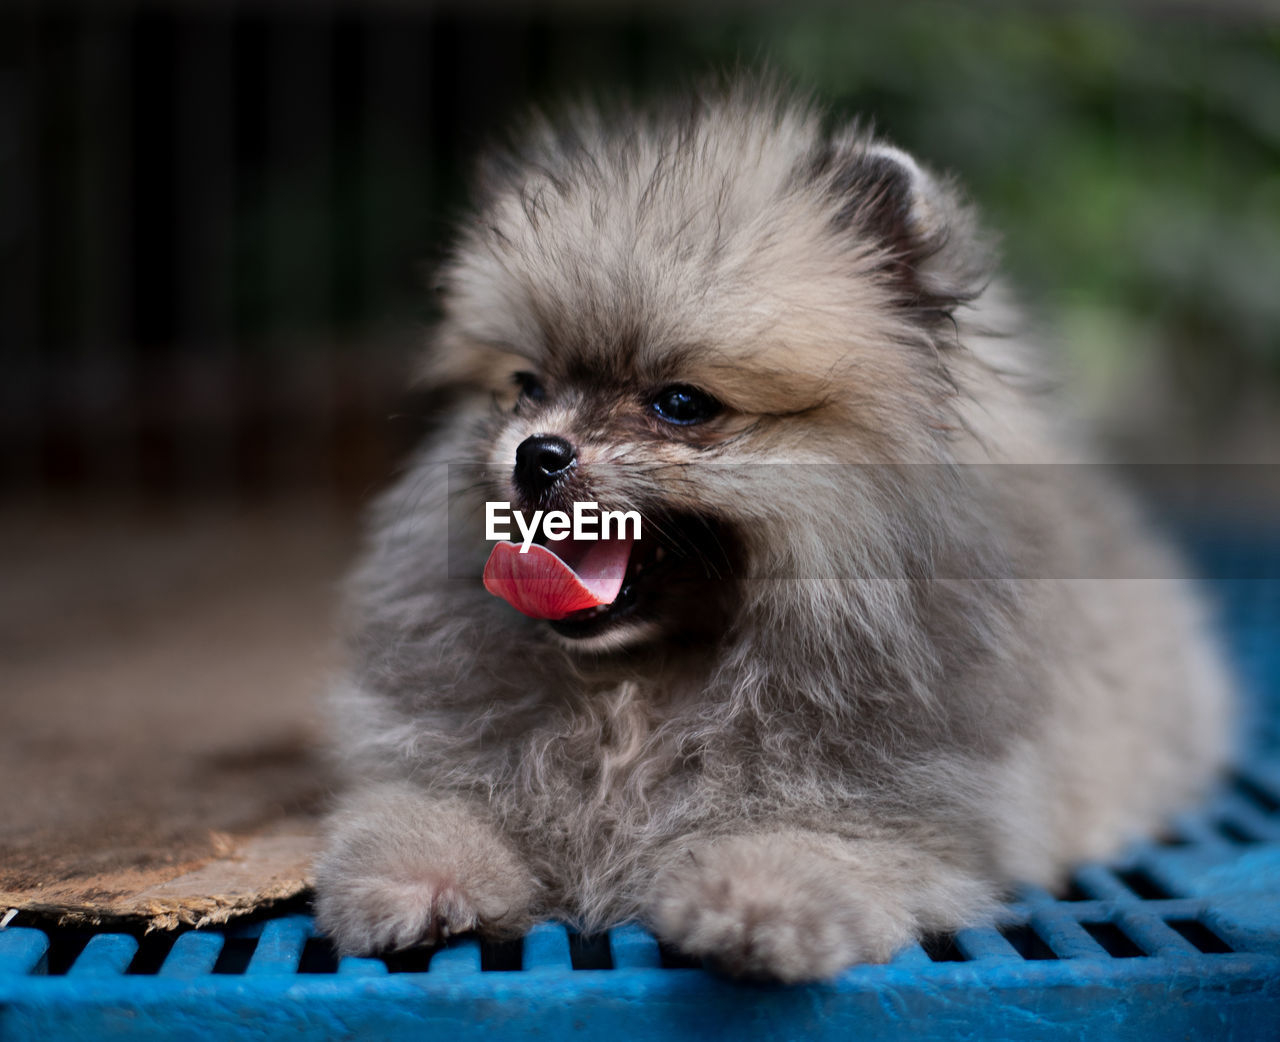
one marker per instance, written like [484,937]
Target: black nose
[540,460]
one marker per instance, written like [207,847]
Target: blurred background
[219,219]
[218,222]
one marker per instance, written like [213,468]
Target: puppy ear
[924,236]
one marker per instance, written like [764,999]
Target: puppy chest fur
[876,655]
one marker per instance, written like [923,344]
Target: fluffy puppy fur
[898,658]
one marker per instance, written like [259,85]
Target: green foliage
[1130,161]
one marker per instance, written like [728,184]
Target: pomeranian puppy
[878,651]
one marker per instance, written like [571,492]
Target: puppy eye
[685,405]
[529,386]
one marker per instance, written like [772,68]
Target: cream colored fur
[945,660]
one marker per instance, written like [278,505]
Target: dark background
[218,220]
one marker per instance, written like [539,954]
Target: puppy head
[684,316]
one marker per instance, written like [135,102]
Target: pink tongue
[543,586]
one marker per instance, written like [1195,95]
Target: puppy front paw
[402,869]
[773,907]
[369,914]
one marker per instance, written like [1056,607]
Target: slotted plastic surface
[1178,939]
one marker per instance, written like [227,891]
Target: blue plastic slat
[634,948]
[1199,833]
[23,950]
[1176,870]
[192,955]
[981,943]
[912,955]
[460,958]
[355,966]
[280,946]
[1066,936]
[1034,896]
[106,955]
[1249,819]
[1265,774]
[546,948]
[1233,997]
[1153,935]
[1098,882]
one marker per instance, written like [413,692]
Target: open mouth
[584,588]
[644,561]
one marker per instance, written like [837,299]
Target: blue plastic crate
[1179,939]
